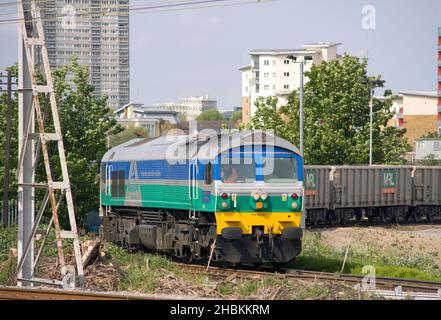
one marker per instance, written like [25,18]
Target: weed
[226,289]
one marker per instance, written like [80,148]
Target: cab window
[283,170]
[238,170]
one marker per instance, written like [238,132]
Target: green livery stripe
[177,197]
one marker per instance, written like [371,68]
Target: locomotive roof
[180,147]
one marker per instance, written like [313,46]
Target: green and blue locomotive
[236,197]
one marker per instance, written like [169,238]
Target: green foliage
[318,256]
[431,135]
[129,133]
[182,117]
[236,117]
[210,114]
[85,122]
[429,160]
[8,240]
[336,117]
[14,140]
[141,271]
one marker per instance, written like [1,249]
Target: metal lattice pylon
[31,34]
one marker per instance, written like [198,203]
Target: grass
[141,271]
[317,256]
[8,240]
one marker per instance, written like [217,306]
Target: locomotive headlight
[294,205]
[264,196]
[256,196]
[224,205]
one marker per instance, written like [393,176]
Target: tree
[129,133]
[429,160]
[182,117]
[431,135]
[210,114]
[236,117]
[85,122]
[336,117]
[14,141]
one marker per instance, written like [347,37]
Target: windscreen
[238,170]
[284,170]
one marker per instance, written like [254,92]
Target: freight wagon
[345,194]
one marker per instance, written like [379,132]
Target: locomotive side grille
[151,216]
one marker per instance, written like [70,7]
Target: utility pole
[301,109]
[302,80]
[7,149]
[372,84]
[371,106]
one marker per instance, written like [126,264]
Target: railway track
[394,284]
[312,227]
[18,293]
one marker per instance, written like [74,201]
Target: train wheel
[279,265]
[416,218]
[430,217]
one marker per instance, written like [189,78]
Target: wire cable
[153,8]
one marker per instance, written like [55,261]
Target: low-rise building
[150,118]
[417,112]
[190,107]
[428,148]
[272,73]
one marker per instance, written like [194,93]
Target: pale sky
[197,52]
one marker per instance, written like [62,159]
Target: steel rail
[19,293]
[407,285]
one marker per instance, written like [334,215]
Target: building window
[266,87]
[436,146]
[286,62]
[286,87]
[257,88]
[266,62]
[286,74]
[266,75]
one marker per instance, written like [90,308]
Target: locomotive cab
[259,204]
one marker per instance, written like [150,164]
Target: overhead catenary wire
[152,8]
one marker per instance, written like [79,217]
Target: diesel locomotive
[233,198]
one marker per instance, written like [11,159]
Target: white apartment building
[271,73]
[190,107]
[97,33]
